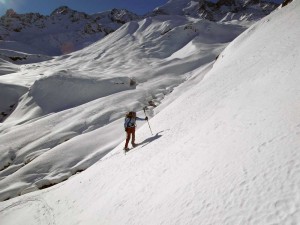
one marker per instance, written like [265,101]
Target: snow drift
[60,91]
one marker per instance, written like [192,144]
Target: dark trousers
[130,133]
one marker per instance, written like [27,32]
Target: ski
[129,149]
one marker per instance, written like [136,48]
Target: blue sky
[45,7]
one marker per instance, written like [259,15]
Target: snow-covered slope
[90,90]
[226,151]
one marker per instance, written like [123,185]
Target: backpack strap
[127,125]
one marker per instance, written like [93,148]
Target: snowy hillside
[225,150]
[50,108]
[57,103]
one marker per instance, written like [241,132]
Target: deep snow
[226,143]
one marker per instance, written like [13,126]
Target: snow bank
[63,91]
[7,67]
[59,163]
[17,57]
[9,97]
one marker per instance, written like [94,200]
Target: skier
[129,125]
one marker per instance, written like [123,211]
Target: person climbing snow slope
[129,125]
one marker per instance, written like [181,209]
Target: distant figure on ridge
[129,125]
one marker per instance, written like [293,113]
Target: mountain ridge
[220,11]
[66,30]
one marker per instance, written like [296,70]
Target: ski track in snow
[34,211]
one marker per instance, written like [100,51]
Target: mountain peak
[10,13]
[63,10]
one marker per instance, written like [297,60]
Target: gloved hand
[146,118]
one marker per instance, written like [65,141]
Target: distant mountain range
[66,30]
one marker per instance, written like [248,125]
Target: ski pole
[147,120]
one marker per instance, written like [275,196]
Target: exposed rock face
[286,2]
[223,10]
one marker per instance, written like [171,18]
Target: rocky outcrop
[223,10]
